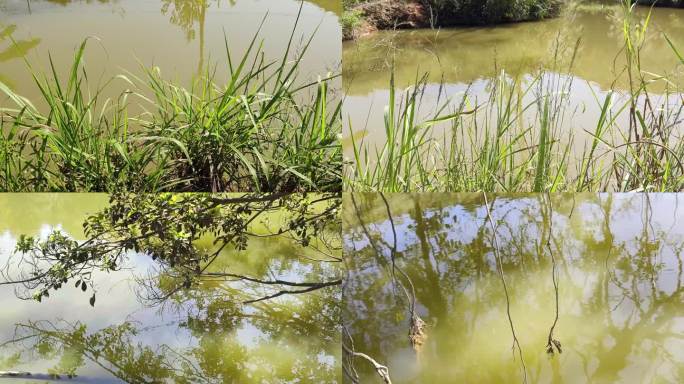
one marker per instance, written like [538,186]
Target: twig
[516,343]
[551,342]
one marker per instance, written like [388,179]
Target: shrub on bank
[351,20]
[368,15]
[451,12]
[663,3]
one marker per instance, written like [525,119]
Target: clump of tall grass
[496,146]
[475,146]
[648,153]
[261,129]
[80,144]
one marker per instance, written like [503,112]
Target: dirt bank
[385,14]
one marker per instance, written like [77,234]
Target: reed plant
[262,129]
[518,140]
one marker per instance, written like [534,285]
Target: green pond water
[178,36]
[457,60]
[203,336]
[618,266]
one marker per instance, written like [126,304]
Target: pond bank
[362,17]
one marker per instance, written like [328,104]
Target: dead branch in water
[551,342]
[416,333]
[351,353]
[499,263]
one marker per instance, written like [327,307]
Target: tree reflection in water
[11,49]
[243,288]
[616,261]
[292,347]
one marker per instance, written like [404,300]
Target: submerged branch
[516,343]
[311,287]
[268,282]
[382,370]
[349,369]
[417,325]
[551,342]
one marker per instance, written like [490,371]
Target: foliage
[450,12]
[350,20]
[167,228]
[463,12]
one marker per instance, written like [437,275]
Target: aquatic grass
[80,144]
[261,129]
[649,156]
[499,147]
[403,163]
[485,146]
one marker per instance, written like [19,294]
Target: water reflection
[205,334]
[185,14]
[180,37]
[618,265]
[11,49]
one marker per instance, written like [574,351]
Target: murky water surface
[178,36]
[618,266]
[203,336]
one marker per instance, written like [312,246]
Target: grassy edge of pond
[262,129]
[506,154]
